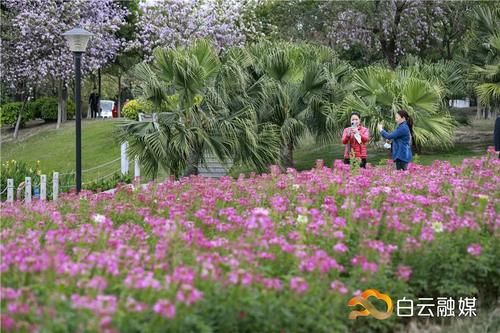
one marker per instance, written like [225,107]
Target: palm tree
[379,92]
[483,55]
[197,114]
[296,88]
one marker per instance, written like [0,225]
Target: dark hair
[409,121]
[355,113]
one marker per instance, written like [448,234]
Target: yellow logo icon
[370,309]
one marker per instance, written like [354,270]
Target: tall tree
[200,111]
[126,57]
[365,31]
[483,54]
[301,85]
[379,92]
[170,23]
[34,50]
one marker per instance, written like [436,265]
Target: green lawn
[56,151]
[305,157]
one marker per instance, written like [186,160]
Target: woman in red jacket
[355,139]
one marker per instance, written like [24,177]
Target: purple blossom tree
[395,27]
[34,50]
[170,23]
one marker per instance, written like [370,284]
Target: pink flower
[427,234]
[339,287]
[338,234]
[188,295]
[7,323]
[98,283]
[183,274]
[18,308]
[369,266]
[272,284]
[9,293]
[164,308]
[474,249]
[404,272]
[340,247]
[105,321]
[279,203]
[339,222]
[134,306]
[298,284]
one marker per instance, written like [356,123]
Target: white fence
[38,191]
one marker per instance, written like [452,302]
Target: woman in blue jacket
[401,139]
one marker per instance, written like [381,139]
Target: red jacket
[359,148]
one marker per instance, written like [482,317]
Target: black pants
[363,162]
[400,165]
[93,112]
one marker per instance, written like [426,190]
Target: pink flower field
[279,252]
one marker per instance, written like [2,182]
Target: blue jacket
[401,141]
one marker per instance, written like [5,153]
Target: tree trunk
[19,116]
[59,108]
[478,110]
[65,101]
[192,164]
[62,97]
[119,107]
[99,92]
[495,112]
[287,155]
[389,46]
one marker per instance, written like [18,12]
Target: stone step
[213,168]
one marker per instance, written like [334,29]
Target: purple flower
[340,247]
[474,249]
[298,284]
[404,272]
[164,308]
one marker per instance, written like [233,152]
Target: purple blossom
[164,308]
[474,249]
[404,272]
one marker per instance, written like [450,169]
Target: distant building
[460,103]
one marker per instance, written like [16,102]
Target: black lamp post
[77,41]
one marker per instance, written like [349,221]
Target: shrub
[107,184]
[10,111]
[49,110]
[132,109]
[70,108]
[37,105]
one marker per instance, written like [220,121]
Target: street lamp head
[77,39]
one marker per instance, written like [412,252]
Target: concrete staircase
[214,168]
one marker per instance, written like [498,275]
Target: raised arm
[393,135]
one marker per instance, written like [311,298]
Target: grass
[55,149]
[306,157]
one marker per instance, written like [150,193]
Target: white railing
[38,191]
